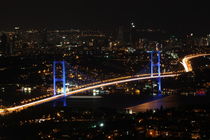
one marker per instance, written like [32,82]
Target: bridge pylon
[62,79]
[155,67]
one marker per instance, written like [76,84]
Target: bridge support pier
[155,67]
[62,79]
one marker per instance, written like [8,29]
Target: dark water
[136,103]
[172,101]
[109,101]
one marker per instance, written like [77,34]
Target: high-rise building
[17,40]
[208,39]
[120,35]
[4,44]
[133,38]
[43,41]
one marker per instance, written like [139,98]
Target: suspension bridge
[152,75]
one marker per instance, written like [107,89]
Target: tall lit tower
[155,67]
[62,79]
[132,33]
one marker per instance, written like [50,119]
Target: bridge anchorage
[155,67]
[62,78]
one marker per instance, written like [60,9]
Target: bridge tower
[155,67]
[62,79]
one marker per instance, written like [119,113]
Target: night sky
[170,14]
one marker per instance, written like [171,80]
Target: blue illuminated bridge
[99,84]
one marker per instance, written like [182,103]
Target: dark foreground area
[190,122]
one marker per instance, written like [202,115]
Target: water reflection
[171,101]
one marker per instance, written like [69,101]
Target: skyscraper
[4,44]
[120,35]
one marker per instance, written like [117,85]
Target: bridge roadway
[186,61]
[86,88]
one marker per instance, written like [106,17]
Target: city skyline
[107,70]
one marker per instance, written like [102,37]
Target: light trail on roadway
[186,61]
[89,87]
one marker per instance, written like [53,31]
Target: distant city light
[17,28]
[26,89]
[130,111]
[133,25]
[101,124]
[94,126]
